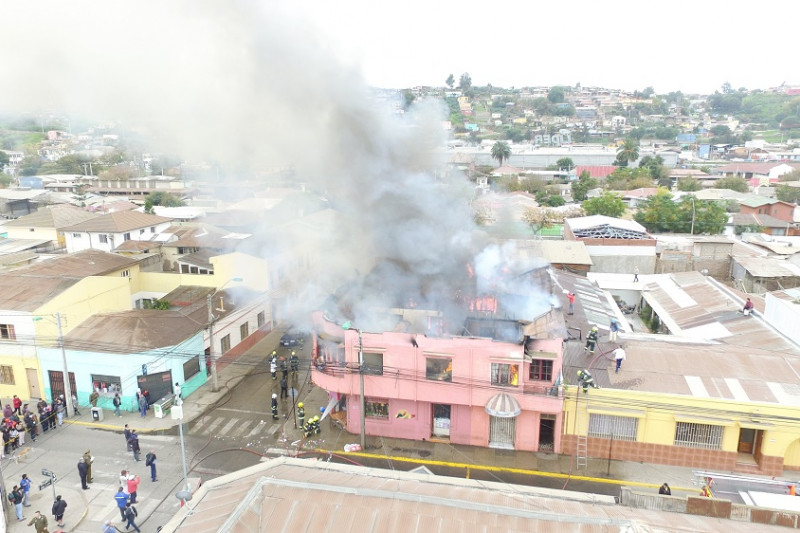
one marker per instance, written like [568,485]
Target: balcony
[540,388]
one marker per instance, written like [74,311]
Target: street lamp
[211,318]
[67,389]
[347,325]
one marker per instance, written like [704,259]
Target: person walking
[274,406]
[88,459]
[122,502]
[83,469]
[591,340]
[25,487]
[39,521]
[613,329]
[133,485]
[127,433]
[130,516]
[135,445]
[59,506]
[636,274]
[585,380]
[108,527]
[284,387]
[619,357]
[150,460]
[75,405]
[117,401]
[571,299]
[16,497]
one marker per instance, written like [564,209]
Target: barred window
[6,375]
[698,435]
[261,319]
[613,427]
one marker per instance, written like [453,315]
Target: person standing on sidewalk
[59,506]
[130,516]
[16,497]
[30,424]
[25,486]
[93,397]
[142,406]
[17,404]
[83,469]
[301,415]
[284,388]
[135,445]
[127,434]
[39,521]
[133,485]
[60,411]
[122,502]
[150,460]
[117,402]
[88,459]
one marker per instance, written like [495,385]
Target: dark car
[291,338]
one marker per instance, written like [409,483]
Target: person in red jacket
[17,404]
[133,484]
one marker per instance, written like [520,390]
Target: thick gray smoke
[254,87]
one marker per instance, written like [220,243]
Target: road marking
[241,411]
[257,429]
[488,468]
[213,426]
[226,430]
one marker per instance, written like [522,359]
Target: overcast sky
[692,46]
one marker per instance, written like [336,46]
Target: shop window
[376,408]
[106,385]
[439,369]
[505,374]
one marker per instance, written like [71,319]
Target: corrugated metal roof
[581,223]
[768,267]
[287,494]
[56,216]
[118,221]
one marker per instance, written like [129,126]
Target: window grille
[698,435]
[613,427]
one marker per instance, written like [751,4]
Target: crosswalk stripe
[214,424]
[226,430]
[257,429]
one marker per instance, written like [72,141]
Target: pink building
[498,387]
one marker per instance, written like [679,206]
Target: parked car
[292,338]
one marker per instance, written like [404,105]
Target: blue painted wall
[127,366]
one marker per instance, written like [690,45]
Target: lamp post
[211,318]
[346,326]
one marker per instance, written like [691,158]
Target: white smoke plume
[250,85]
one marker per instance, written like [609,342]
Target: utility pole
[214,382]
[67,389]
[363,401]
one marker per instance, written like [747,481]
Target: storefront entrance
[502,432]
[441,421]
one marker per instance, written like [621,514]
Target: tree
[785,193]
[659,213]
[555,200]
[734,183]
[608,204]
[556,95]
[565,163]
[450,81]
[709,217]
[689,184]
[3,159]
[628,152]
[538,218]
[582,186]
[465,81]
[408,99]
[5,180]
[501,151]
[794,175]
[161,198]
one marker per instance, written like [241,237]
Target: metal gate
[502,432]
[158,384]
[57,384]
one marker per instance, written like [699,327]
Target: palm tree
[501,151]
[629,151]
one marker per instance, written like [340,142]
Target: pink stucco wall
[410,396]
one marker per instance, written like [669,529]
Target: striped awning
[503,405]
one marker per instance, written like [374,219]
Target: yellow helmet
[300,404]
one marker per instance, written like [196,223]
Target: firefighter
[274,406]
[591,340]
[294,362]
[284,368]
[586,380]
[273,365]
[301,415]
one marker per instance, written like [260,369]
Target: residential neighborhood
[489,314]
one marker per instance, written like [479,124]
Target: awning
[503,405]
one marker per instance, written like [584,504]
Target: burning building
[469,369]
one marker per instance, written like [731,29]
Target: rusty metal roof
[117,222]
[287,494]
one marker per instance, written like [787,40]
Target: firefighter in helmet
[585,380]
[301,415]
[274,406]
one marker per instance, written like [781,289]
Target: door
[547,433]
[502,432]
[33,383]
[158,385]
[57,383]
[747,439]
[441,420]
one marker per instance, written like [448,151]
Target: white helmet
[274,395]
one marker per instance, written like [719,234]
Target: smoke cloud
[252,85]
